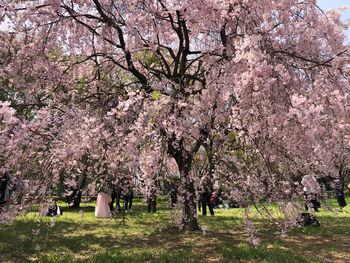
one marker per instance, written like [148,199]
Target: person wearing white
[102,205]
[310,184]
[311,190]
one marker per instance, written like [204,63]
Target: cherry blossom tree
[260,85]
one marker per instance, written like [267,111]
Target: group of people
[209,196]
[110,193]
[311,189]
[206,190]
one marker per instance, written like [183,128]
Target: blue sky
[331,4]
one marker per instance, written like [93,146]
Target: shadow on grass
[120,256]
[98,239]
[155,238]
[244,252]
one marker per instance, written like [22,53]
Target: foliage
[146,85]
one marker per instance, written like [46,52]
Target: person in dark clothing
[217,198]
[5,185]
[233,203]
[200,203]
[115,192]
[339,193]
[54,210]
[115,195]
[6,188]
[128,197]
[311,189]
[206,202]
[173,193]
[152,199]
[206,186]
[312,201]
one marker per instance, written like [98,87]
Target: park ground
[143,237]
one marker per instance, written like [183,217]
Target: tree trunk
[74,199]
[190,209]
[189,193]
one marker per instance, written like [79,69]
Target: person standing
[103,200]
[205,187]
[200,203]
[128,196]
[217,198]
[102,205]
[152,199]
[115,193]
[173,192]
[115,196]
[5,182]
[339,194]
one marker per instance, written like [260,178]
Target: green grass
[155,238]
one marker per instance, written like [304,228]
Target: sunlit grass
[144,237]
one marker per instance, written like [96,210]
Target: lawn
[147,237]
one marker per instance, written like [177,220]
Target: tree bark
[190,221]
